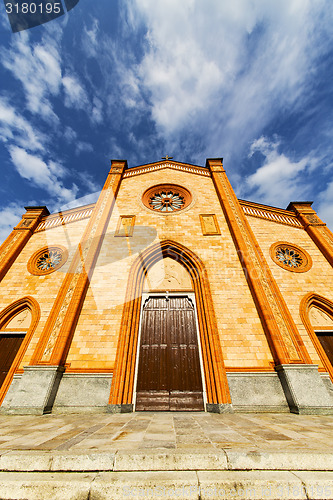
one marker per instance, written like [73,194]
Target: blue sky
[249,81]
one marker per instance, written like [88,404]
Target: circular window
[47,260]
[167,198]
[290,257]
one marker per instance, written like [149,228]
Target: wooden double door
[169,373]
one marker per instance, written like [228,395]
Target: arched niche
[317,315]
[169,275]
[18,322]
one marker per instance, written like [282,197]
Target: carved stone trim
[313,219]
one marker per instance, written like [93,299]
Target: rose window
[167,198]
[166,201]
[290,257]
[47,260]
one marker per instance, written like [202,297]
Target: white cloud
[278,181]
[83,147]
[37,67]
[41,174]
[75,94]
[70,134]
[13,126]
[84,200]
[89,39]
[224,67]
[97,111]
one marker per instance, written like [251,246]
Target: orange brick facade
[257,322]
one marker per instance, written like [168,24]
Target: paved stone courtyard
[181,431]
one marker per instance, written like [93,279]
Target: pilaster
[19,237]
[54,344]
[59,329]
[281,332]
[315,227]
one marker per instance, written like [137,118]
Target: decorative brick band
[272,216]
[60,219]
[175,166]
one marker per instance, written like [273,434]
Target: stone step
[236,485]
[161,460]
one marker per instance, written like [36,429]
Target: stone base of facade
[219,408]
[292,388]
[257,392]
[83,392]
[305,390]
[34,393]
[128,408]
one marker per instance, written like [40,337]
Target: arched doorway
[17,324]
[317,315]
[169,368]
[214,376]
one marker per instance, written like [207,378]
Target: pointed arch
[213,364]
[325,305]
[5,317]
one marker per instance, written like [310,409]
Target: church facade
[167,294]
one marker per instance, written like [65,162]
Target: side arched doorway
[191,300]
[18,322]
[317,315]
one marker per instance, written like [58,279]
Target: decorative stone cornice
[270,213]
[66,217]
[152,167]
